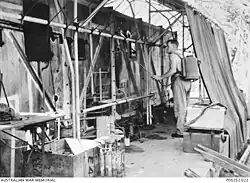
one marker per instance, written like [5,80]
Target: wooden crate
[60,161]
[5,154]
[216,141]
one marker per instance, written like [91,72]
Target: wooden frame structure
[77,97]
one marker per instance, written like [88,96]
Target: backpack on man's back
[190,70]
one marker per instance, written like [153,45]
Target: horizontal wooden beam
[223,161]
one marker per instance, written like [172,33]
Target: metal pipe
[70,27]
[113,103]
[77,74]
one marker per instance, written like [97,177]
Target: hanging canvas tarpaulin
[211,50]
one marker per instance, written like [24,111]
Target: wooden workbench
[27,120]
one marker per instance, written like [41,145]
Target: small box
[206,118]
[217,141]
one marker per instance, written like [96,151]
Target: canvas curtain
[211,50]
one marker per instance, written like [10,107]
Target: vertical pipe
[100,83]
[43,151]
[77,74]
[91,59]
[148,64]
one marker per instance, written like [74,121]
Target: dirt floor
[160,155]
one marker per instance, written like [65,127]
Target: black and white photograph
[121,89]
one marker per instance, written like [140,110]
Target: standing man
[181,88]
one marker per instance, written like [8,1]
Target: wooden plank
[113,65]
[74,145]
[127,61]
[245,156]
[27,121]
[223,161]
[222,157]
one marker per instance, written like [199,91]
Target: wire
[60,6]
[31,8]
[61,10]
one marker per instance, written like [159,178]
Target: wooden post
[148,67]
[162,61]
[147,89]
[112,55]
[65,72]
